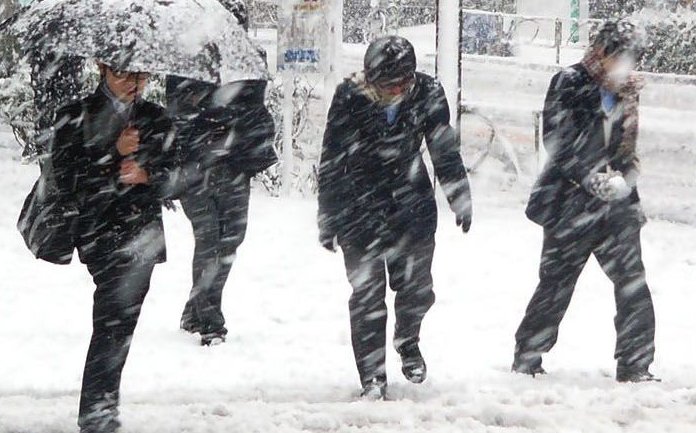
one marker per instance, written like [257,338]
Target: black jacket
[86,166]
[575,141]
[223,127]
[374,187]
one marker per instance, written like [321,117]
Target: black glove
[464,221]
[328,241]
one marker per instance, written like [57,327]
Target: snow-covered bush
[263,13]
[671,38]
[304,140]
[17,104]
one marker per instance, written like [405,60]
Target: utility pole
[448,57]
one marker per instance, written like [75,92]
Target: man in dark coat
[586,200]
[112,156]
[226,137]
[377,203]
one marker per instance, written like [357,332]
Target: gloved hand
[620,189]
[329,242]
[610,186]
[464,221]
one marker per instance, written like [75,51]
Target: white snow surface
[287,365]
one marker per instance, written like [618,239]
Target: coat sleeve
[164,168]
[563,138]
[332,167]
[64,155]
[444,147]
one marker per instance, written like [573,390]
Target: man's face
[619,68]
[395,90]
[126,86]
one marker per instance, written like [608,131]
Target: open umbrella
[196,39]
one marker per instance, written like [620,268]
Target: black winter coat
[86,164]
[575,141]
[374,188]
[228,127]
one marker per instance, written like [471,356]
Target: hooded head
[389,60]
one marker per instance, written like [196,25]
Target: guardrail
[510,23]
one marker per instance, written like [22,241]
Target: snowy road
[287,366]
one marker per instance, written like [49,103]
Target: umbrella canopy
[197,39]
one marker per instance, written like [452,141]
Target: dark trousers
[615,242]
[122,282]
[218,212]
[409,276]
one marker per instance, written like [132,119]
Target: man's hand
[129,141]
[464,221]
[329,242]
[133,174]
[610,186]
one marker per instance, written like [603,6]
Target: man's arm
[332,168]
[444,147]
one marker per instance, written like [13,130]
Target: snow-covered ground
[287,366]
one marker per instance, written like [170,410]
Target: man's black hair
[618,37]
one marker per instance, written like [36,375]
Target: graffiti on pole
[303,43]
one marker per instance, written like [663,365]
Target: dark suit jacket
[575,141]
[86,167]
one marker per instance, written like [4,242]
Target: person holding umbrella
[112,156]
[587,201]
[377,203]
[226,137]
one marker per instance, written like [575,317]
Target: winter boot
[634,375]
[375,390]
[412,364]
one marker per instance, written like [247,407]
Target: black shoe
[412,364]
[634,375]
[375,390]
[529,368]
[213,338]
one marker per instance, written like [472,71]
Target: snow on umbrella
[196,39]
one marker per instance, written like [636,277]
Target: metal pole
[335,48]
[558,40]
[575,18]
[447,52]
[460,71]
[437,37]
[288,114]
